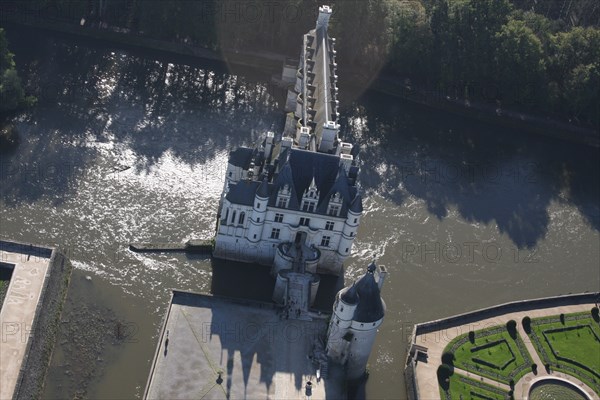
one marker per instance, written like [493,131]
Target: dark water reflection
[489,174]
[128,146]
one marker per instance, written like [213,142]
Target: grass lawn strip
[579,343]
[494,355]
[576,339]
[471,389]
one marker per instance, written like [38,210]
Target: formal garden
[566,343]
[569,343]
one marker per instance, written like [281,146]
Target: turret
[259,212]
[341,321]
[350,226]
[357,314]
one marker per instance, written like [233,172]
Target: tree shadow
[95,103]
[488,174]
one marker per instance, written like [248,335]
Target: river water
[132,146]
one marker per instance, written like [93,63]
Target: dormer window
[309,205]
[334,210]
[310,198]
[282,202]
[283,197]
[335,205]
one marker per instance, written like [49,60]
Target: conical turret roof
[370,306]
[356,206]
[350,295]
[263,189]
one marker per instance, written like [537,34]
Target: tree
[448,358]
[12,95]
[11,91]
[411,41]
[575,66]
[527,324]
[475,24]
[444,372]
[520,62]
[511,327]
[364,30]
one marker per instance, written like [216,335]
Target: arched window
[233,217]
[242,216]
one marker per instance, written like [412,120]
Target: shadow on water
[487,174]
[254,281]
[241,280]
[93,99]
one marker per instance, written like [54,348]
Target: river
[132,146]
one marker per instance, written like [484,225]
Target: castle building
[358,312]
[292,202]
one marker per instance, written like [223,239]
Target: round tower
[365,323]
[343,311]
[350,227]
[259,212]
[357,314]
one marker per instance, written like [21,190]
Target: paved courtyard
[18,313]
[218,348]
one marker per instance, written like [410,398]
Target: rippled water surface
[127,146]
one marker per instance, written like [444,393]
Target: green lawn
[465,388]
[495,356]
[579,344]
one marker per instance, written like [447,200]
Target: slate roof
[263,189]
[370,306]
[241,157]
[301,167]
[350,295]
[243,192]
[319,102]
[356,206]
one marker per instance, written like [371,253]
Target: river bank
[398,87]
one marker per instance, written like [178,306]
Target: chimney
[382,273]
[269,145]
[346,160]
[304,137]
[286,142]
[324,14]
